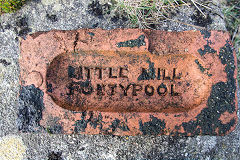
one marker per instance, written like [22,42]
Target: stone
[129,82]
[12,147]
[74,15]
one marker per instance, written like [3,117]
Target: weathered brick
[132,81]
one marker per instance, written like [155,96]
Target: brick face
[131,81]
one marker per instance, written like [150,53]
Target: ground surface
[45,15]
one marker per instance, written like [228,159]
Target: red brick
[132,81]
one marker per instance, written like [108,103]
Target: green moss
[48,129]
[8,6]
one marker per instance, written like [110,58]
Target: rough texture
[185,91]
[30,108]
[12,147]
[73,14]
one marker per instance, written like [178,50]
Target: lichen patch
[12,147]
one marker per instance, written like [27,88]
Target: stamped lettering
[94,81]
[129,82]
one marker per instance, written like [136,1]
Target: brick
[131,81]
